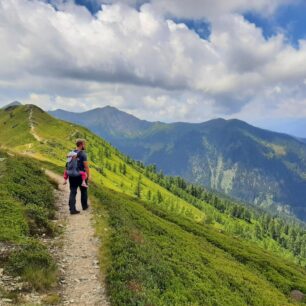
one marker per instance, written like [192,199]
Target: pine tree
[124,169]
[258,233]
[107,153]
[208,220]
[149,194]
[159,197]
[138,188]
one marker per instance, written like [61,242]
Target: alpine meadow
[165,241]
[152,152]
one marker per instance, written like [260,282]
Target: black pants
[75,183]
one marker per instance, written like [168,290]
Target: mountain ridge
[12,104]
[231,156]
[58,112]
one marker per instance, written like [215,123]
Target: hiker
[75,177]
[72,166]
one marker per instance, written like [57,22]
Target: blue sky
[92,6]
[287,18]
[291,19]
[167,60]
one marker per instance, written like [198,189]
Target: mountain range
[165,241]
[254,165]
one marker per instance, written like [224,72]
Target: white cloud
[198,9]
[140,61]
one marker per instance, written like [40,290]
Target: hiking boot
[85,208]
[74,212]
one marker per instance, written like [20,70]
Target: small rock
[297,295]
[7,300]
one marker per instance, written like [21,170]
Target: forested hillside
[253,165]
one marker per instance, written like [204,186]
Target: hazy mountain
[12,104]
[109,120]
[231,156]
[302,139]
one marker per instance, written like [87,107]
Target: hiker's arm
[86,169]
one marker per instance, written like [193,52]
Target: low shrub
[38,221]
[13,226]
[34,264]
[26,206]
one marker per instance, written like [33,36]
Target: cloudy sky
[168,60]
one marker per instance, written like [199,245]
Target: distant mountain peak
[110,107]
[12,104]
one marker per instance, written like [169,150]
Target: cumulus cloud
[140,60]
[198,9]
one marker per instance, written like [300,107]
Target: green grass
[158,258]
[15,128]
[13,224]
[58,138]
[36,266]
[26,206]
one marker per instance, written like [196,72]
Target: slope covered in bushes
[162,258]
[26,207]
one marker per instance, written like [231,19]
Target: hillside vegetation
[261,167]
[26,207]
[166,245]
[161,258]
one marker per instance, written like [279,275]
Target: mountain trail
[32,131]
[81,282]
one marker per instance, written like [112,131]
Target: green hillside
[166,246]
[159,258]
[56,138]
[261,167]
[25,213]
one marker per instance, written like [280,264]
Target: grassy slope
[59,137]
[159,258]
[127,183]
[191,253]
[25,211]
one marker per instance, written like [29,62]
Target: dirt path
[81,280]
[38,138]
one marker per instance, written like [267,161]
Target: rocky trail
[81,282]
[76,253]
